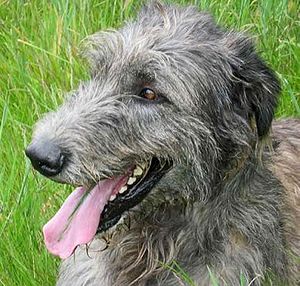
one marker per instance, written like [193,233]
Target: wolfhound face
[171,101]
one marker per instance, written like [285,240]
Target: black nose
[45,157]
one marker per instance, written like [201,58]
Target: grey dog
[177,169]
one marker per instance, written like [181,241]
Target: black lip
[112,212]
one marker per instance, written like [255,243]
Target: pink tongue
[78,219]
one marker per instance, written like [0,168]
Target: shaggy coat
[229,207]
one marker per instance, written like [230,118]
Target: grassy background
[39,61]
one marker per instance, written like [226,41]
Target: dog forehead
[158,32]
[167,48]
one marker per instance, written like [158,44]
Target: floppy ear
[255,85]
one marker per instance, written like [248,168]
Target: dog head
[172,98]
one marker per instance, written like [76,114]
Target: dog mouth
[88,212]
[141,180]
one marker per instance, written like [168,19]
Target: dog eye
[148,93]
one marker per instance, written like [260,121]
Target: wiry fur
[229,205]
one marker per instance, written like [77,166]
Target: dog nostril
[45,157]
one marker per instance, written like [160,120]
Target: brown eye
[148,93]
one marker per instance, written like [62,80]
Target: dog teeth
[138,171]
[131,180]
[112,197]
[143,166]
[123,190]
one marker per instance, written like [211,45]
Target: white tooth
[131,180]
[138,171]
[112,197]
[123,189]
[143,166]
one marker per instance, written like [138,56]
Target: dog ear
[254,84]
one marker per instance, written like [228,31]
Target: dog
[178,168]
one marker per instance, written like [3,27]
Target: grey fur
[221,206]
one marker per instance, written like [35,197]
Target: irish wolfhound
[168,144]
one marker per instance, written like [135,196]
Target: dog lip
[113,210]
[49,172]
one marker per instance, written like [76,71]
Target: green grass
[39,62]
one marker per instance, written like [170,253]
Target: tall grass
[39,62]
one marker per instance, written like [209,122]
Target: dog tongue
[78,219]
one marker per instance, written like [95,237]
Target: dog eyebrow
[139,74]
[144,74]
